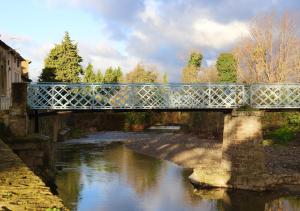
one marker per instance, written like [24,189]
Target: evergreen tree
[227,68]
[118,74]
[112,75]
[109,75]
[47,75]
[63,61]
[99,77]
[89,75]
[195,59]
[165,78]
[191,71]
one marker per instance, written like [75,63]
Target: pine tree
[195,59]
[89,75]
[118,74]
[47,75]
[227,68]
[165,78]
[63,61]
[99,77]
[112,75]
[191,71]
[109,75]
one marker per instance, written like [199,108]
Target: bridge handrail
[62,96]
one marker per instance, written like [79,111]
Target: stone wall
[10,69]
[20,188]
[50,124]
[207,124]
[18,118]
[38,154]
[243,154]
[243,164]
[4,117]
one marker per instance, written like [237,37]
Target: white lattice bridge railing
[63,96]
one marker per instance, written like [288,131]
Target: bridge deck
[64,96]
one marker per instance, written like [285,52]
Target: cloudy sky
[125,32]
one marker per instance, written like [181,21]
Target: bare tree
[272,51]
[208,74]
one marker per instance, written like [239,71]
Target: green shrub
[293,118]
[281,127]
[282,135]
[53,209]
[133,118]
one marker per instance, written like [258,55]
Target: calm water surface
[98,173]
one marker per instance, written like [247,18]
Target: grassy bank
[281,128]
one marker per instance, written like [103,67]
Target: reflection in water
[99,176]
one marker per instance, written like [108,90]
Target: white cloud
[210,33]
[166,33]
[37,52]
[159,32]
[14,38]
[104,54]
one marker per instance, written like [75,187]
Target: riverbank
[20,188]
[186,150]
[189,151]
[100,167]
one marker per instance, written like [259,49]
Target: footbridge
[176,96]
[243,164]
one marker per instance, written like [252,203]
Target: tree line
[271,53]
[63,64]
[225,69]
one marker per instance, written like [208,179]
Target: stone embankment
[20,188]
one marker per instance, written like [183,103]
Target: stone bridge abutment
[243,163]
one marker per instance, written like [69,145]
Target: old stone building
[13,68]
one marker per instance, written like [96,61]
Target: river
[100,173]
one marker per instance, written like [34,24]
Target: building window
[18,63]
[8,61]
[16,79]
[2,81]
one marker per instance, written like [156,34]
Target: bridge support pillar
[242,152]
[18,118]
[242,165]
